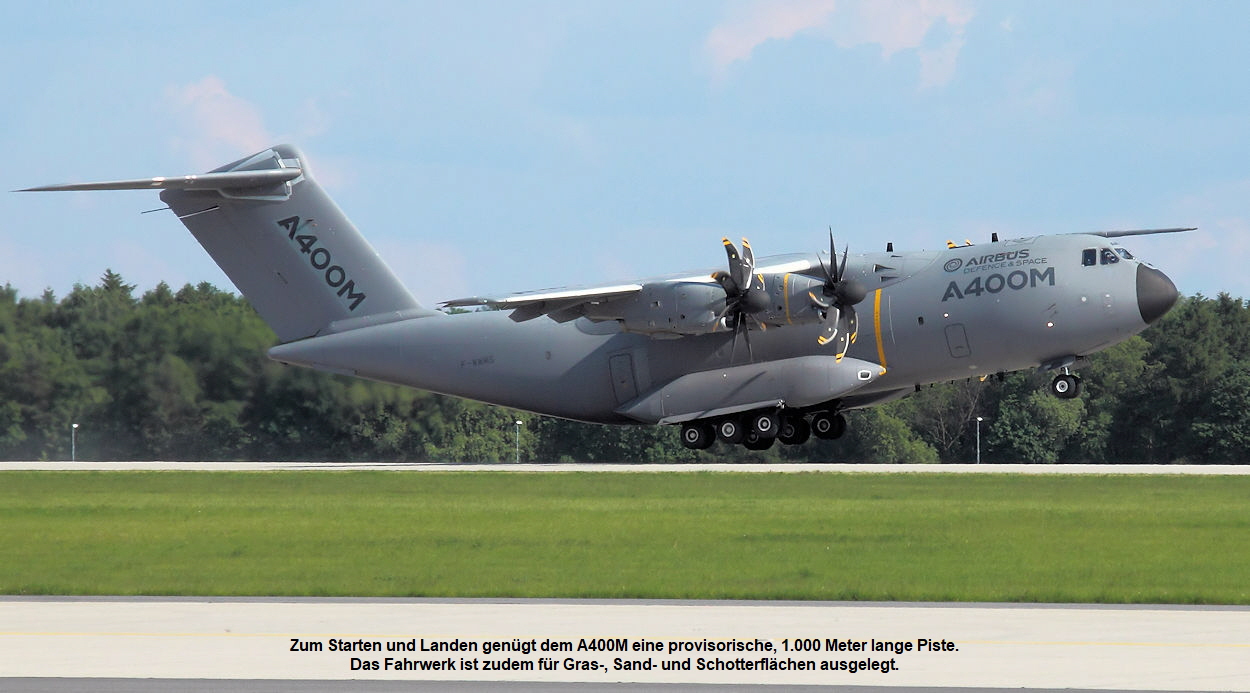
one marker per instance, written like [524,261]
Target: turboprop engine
[699,308]
[740,297]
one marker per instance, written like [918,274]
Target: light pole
[978,440]
[518,441]
[73,443]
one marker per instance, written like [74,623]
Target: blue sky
[498,146]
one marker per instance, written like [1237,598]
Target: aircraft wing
[622,301]
[561,305]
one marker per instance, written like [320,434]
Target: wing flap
[561,305]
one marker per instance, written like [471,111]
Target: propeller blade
[730,305]
[842,269]
[747,266]
[831,326]
[828,277]
[735,265]
[746,336]
[833,260]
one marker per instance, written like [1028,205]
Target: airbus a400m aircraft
[760,350]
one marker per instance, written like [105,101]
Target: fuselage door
[623,383]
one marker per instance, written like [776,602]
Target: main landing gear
[759,430]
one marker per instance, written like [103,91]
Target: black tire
[794,430]
[1066,386]
[730,430]
[754,441]
[698,435]
[765,424]
[828,425]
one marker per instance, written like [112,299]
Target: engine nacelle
[675,308]
[788,300]
[691,308]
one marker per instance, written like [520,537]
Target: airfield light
[518,441]
[73,443]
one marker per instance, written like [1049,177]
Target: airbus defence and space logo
[1017,270]
[1012,258]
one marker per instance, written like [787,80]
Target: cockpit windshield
[1091,257]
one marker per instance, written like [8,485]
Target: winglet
[1140,232]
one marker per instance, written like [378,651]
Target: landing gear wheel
[1066,386]
[765,424]
[698,435]
[730,430]
[754,441]
[794,430]
[828,425]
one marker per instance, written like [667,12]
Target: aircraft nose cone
[1156,294]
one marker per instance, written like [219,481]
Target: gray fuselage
[929,316]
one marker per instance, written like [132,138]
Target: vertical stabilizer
[286,246]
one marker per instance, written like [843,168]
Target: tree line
[182,375]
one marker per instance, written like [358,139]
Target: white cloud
[894,25]
[737,38]
[220,126]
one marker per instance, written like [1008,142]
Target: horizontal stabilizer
[283,242]
[229,180]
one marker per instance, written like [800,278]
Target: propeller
[836,301]
[744,291]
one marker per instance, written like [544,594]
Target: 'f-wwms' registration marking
[319,257]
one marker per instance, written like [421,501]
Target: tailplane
[284,243]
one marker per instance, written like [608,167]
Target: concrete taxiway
[897,645]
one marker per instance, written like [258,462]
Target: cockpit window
[1089,257]
[1109,257]
[1124,253]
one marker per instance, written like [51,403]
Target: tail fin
[284,243]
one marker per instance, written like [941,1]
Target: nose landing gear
[1066,386]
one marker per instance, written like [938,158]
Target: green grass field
[805,536]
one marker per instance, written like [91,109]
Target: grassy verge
[690,535]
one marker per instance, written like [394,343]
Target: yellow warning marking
[785,291]
[876,323]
